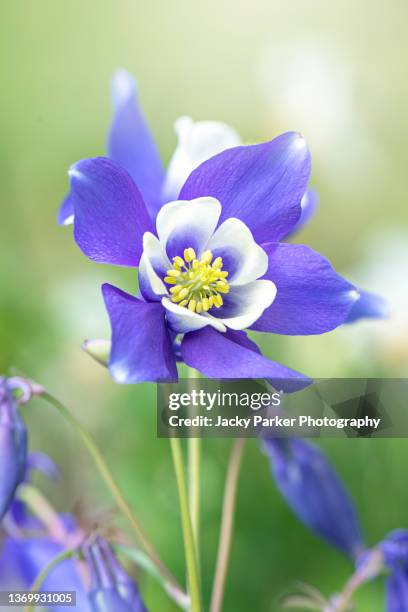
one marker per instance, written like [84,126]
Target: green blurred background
[334,71]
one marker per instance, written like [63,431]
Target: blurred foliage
[334,71]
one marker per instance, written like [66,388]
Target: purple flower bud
[112,589]
[313,490]
[13,447]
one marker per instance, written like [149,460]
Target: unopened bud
[98,350]
[13,447]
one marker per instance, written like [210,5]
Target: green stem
[194,489]
[189,547]
[113,487]
[227,524]
[194,478]
[36,586]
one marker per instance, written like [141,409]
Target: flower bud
[98,350]
[112,589]
[13,447]
[314,492]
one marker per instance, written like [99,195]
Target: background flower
[315,493]
[13,445]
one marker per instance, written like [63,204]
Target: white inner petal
[182,320]
[248,302]
[147,273]
[250,260]
[153,264]
[197,142]
[197,218]
[155,252]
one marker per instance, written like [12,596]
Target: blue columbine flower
[13,445]
[315,493]
[211,262]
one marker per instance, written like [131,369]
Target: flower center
[197,283]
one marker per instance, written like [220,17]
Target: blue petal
[397,591]
[260,184]
[314,492]
[26,558]
[66,211]
[309,206]
[311,297]
[43,463]
[110,215]
[141,342]
[13,448]
[368,306]
[233,355]
[130,142]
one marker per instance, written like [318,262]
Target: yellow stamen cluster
[197,283]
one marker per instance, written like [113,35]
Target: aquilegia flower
[315,493]
[211,261]
[13,445]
